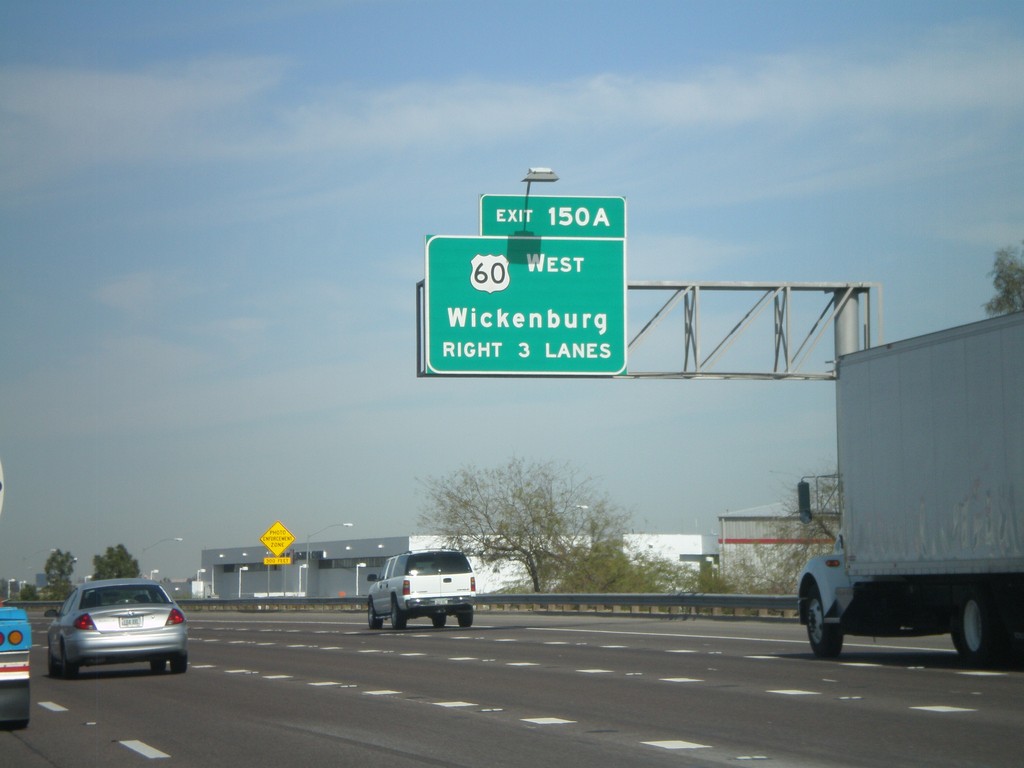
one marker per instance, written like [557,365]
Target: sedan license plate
[127,622]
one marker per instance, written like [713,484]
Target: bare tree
[539,515]
[773,568]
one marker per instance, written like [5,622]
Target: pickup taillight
[405,588]
[472,583]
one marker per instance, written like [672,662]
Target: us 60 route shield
[525,306]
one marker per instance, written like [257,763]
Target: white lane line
[675,744]
[795,692]
[523,664]
[547,721]
[679,636]
[52,706]
[455,704]
[944,709]
[594,671]
[277,677]
[381,693]
[144,749]
[680,680]
[981,673]
[462,658]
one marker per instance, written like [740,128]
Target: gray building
[317,569]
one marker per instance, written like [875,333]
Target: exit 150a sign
[525,306]
[552,216]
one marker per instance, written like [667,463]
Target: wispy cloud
[54,121]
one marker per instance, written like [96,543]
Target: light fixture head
[541,174]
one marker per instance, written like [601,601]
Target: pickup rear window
[437,563]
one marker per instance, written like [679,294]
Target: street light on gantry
[532,175]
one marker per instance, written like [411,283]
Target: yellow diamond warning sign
[277,538]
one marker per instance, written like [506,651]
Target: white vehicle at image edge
[436,582]
[115,621]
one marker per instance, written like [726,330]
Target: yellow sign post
[277,539]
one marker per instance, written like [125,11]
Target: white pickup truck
[436,582]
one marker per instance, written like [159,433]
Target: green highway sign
[552,216]
[525,306]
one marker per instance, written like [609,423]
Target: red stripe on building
[776,541]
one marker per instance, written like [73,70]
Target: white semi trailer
[931,471]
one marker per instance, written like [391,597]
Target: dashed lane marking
[675,744]
[944,709]
[144,749]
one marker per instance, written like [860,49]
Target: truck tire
[373,621]
[978,634]
[826,639]
[398,616]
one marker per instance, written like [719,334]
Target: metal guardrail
[677,604]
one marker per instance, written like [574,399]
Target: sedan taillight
[84,622]
[175,617]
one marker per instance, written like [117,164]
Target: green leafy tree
[59,567]
[28,592]
[115,563]
[1008,278]
[606,566]
[540,516]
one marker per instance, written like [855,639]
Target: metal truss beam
[789,354]
[846,308]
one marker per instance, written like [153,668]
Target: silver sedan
[116,621]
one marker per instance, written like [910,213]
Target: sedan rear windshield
[437,563]
[127,595]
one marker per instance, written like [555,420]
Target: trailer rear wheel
[978,634]
[826,639]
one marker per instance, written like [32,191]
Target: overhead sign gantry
[542,291]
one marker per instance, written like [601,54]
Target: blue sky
[212,219]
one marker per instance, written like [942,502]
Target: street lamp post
[303,567]
[242,568]
[155,570]
[169,538]
[358,566]
[532,175]
[310,536]
[201,571]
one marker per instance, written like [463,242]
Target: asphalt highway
[520,689]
